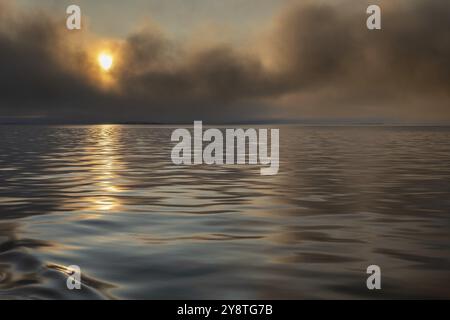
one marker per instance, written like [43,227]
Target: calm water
[107,198]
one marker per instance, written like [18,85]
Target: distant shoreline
[237,123]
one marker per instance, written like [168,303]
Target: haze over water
[109,199]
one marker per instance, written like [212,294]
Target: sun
[105,61]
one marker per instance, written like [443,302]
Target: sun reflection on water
[105,170]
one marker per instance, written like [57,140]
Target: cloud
[37,73]
[338,68]
[315,59]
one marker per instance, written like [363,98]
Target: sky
[225,61]
[116,18]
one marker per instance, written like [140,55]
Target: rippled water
[108,199]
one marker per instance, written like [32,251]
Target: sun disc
[106,61]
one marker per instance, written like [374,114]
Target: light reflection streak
[104,172]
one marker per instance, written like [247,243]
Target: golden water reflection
[107,163]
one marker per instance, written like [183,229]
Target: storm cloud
[314,59]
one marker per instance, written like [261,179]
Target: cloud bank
[315,59]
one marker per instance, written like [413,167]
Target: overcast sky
[117,17]
[225,61]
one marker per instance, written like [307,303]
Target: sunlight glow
[105,60]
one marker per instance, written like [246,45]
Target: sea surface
[108,199]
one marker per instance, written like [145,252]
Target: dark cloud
[37,69]
[317,60]
[339,68]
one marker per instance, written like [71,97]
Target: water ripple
[108,199]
